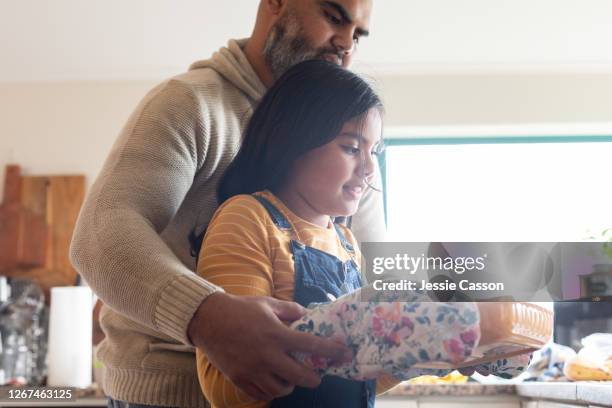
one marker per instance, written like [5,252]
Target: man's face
[311,29]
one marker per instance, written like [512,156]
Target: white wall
[63,127]
[448,98]
[73,70]
[59,127]
[137,39]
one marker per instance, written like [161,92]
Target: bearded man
[158,186]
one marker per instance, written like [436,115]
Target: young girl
[307,157]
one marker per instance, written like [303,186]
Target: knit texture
[131,241]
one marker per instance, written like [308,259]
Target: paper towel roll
[70,343]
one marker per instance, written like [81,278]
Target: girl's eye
[351,149]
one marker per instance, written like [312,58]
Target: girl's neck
[301,207]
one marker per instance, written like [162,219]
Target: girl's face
[330,180]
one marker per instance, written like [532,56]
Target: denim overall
[319,278]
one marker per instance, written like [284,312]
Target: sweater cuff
[178,303]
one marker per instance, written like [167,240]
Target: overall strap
[347,246]
[279,219]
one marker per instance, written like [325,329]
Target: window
[498,190]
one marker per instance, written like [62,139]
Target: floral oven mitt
[391,337]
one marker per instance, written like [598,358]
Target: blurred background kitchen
[498,125]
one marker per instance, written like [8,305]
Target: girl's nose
[368,166]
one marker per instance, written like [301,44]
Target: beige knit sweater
[131,241]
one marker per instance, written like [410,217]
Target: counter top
[584,392]
[596,393]
[454,390]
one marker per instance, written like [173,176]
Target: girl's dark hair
[304,109]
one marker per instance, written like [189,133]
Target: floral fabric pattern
[392,336]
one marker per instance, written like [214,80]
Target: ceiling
[50,40]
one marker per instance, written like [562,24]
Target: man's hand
[245,338]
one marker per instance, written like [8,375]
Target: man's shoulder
[201,90]
[197,77]
[204,82]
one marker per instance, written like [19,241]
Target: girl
[307,157]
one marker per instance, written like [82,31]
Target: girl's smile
[354,192]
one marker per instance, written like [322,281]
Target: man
[131,243]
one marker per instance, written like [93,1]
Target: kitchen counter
[469,395]
[454,390]
[584,392]
[537,394]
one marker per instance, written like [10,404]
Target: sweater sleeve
[236,256]
[116,246]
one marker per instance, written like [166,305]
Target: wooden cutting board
[49,207]
[23,233]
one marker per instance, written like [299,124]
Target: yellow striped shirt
[246,254]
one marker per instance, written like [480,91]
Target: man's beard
[287,45]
